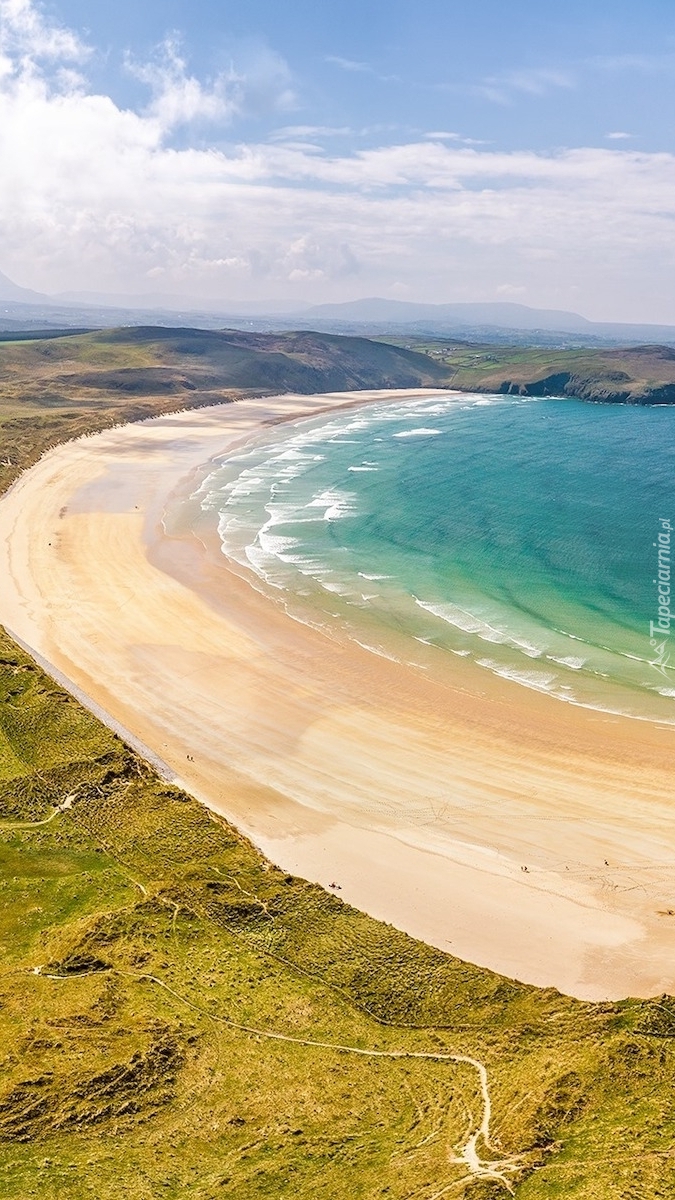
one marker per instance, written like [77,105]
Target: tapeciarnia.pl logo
[659,630]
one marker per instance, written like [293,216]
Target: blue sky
[515,75]
[436,150]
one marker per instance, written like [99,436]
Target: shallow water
[517,533]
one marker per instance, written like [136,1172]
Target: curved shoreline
[422,801]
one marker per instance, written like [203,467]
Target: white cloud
[535,81]
[539,80]
[179,98]
[619,136]
[348,64]
[510,291]
[262,81]
[92,196]
[444,136]
[359,68]
[25,32]
[632,62]
[295,133]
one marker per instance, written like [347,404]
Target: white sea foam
[275,544]
[408,433]
[244,486]
[259,560]
[539,680]
[280,511]
[338,589]
[311,568]
[462,619]
[377,650]
[363,468]
[466,621]
[526,648]
[336,504]
[575,663]
[434,409]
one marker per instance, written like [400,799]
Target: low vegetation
[633,375]
[180,1018]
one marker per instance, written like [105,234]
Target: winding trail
[478,1167]
[60,808]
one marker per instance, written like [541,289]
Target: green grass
[633,375]
[128,1074]
[65,386]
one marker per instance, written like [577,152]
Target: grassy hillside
[637,375]
[148,952]
[179,1018]
[89,381]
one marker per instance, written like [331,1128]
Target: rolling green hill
[89,381]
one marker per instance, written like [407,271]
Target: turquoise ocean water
[517,533]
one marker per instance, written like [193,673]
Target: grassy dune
[149,953]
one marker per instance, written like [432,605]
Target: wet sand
[424,799]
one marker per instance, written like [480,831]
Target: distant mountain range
[173,303]
[403,312]
[499,316]
[24,308]
[157,301]
[19,295]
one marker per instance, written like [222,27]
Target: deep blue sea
[518,533]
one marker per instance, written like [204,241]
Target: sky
[287,150]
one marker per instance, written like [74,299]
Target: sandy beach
[527,835]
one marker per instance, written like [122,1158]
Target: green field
[179,1018]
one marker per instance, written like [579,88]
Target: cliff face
[640,375]
[611,388]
